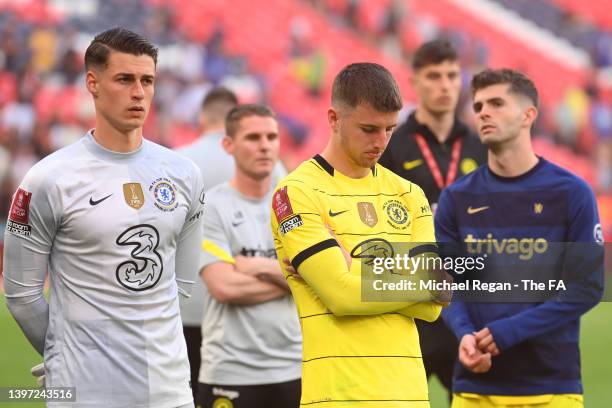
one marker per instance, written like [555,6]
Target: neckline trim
[330,169]
[539,164]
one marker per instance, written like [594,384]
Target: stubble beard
[254,175]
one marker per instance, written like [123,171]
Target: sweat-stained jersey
[355,353]
[120,235]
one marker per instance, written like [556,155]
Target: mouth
[487,128]
[373,155]
[137,109]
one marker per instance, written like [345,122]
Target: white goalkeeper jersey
[120,234]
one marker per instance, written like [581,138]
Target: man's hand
[291,270]
[264,269]
[485,342]
[246,264]
[38,371]
[471,357]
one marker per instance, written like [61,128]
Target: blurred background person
[251,341]
[216,167]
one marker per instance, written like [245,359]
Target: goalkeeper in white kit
[116,220]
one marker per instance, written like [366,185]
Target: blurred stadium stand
[597,12]
[286,52]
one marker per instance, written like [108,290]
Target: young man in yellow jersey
[356,353]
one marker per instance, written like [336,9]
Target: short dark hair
[520,84]
[369,83]
[220,94]
[217,103]
[117,39]
[232,121]
[432,53]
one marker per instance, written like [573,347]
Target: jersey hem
[513,389]
[222,382]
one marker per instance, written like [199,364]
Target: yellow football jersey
[355,353]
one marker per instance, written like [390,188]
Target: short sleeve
[216,246]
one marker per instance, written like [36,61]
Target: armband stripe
[308,252]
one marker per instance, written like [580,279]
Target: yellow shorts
[466,400]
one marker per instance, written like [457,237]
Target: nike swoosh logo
[409,165]
[333,214]
[236,224]
[471,210]
[96,202]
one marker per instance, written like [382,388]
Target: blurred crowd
[581,120]
[44,105]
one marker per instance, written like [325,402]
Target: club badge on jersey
[397,214]
[18,222]
[283,211]
[164,193]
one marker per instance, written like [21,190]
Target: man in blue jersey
[519,353]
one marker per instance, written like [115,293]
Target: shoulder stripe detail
[315,315]
[324,357]
[421,249]
[407,192]
[285,181]
[357,195]
[376,233]
[215,250]
[308,252]
[293,180]
[324,164]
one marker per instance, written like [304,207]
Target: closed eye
[369,129]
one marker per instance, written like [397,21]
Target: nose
[484,113]
[138,91]
[445,82]
[265,144]
[381,139]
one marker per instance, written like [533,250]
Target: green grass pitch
[17,357]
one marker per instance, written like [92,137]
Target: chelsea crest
[164,193]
